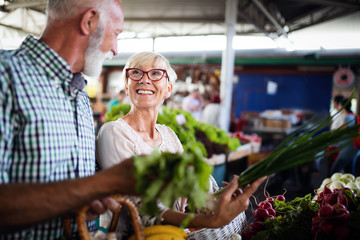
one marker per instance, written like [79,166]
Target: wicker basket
[81,220]
[224,233]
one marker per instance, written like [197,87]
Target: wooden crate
[275,123]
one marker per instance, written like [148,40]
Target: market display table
[271,136]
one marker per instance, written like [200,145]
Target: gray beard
[94,57]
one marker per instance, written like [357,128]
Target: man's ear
[89,21]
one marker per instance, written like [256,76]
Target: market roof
[157,18]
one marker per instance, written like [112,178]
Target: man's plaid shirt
[46,125]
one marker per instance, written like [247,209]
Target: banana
[163,232]
[156,229]
[164,236]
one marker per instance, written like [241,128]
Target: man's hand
[98,207]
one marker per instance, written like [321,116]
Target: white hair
[63,9]
[141,59]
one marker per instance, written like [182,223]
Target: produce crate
[256,157]
[275,123]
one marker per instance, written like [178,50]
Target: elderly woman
[149,81]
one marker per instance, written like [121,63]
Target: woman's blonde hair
[157,60]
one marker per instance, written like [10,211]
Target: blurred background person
[211,112]
[343,163]
[194,103]
[338,119]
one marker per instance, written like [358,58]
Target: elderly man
[47,140]
[46,130]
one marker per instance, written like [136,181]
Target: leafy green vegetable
[116,112]
[177,175]
[186,132]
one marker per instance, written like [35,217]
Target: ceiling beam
[270,17]
[176,20]
[20,29]
[257,26]
[341,3]
[13,6]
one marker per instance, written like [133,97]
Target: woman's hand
[232,202]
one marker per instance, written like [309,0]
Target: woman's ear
[169,89]
[126,90]
[89,21]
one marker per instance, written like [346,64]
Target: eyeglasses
[154,75]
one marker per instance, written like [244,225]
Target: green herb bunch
[165,177]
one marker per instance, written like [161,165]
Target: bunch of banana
[163,232]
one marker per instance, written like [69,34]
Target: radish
[325,227]
[325,182]
[270,200]
[326,211]
[314,229]
[338,206]
[342,216]
[341,232]
[343,199]
[344,180]
[265,205]
[357,179]
[335,176]
[261,214]
[271,211]
[349,176]
[248,235]
[355,187]
[315,220]
[280,198]
[337,185]
[257,226]
[331,198]
[269,216]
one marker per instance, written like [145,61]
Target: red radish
[338,206]
[261,214]
[265,205]
[331,198]
[341,232]
[270,200]
[269,216]
[280,198]
[342,216]
[315,220]
[271,211]
[325,227]
[343,199]
[248,235]
[257,226]
[327,190]
[314,229]
[326,211]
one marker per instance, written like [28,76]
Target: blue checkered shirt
[46,125]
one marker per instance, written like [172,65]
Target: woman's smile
[146,92]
